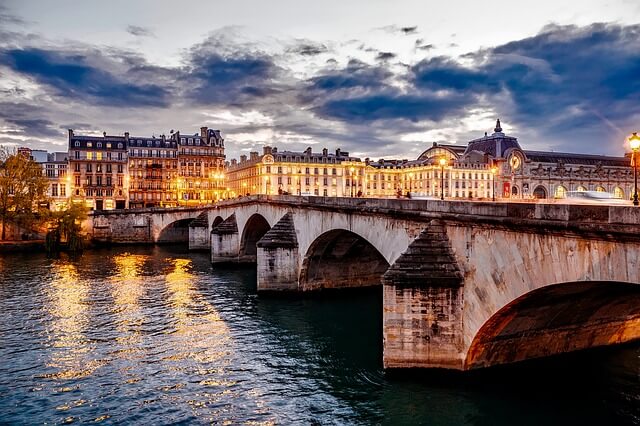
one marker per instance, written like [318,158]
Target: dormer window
[108,145]
[77,143]
[149,143]
[120,146]
[89,144]
[99,144]
[190,141]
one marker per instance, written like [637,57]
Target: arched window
[561,192]
[600,189]
[540,192]
[618,192]
[581,188]
[514,190]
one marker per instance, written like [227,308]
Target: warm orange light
[443,162]
[634,141]
[494,170]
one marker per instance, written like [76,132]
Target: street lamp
[443,162]
[494,170]
[634,143]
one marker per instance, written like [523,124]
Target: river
[155,335]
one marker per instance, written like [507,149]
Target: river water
[156,336]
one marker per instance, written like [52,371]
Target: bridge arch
[217,221]
[254,229]
[175,232]
[557,319]
[340,258]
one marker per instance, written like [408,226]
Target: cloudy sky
[378,78]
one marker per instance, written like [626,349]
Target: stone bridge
[465,284]
[150,225]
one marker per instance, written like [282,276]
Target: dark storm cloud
[566,83]
[385,56]
[409,30]
[74,74]
[231,79]
[391,107]
[138,31]
[419,45]
[567,76]
[574,83]
[222,72]
[356,74]
[35,126]
[307,48]
[28,119]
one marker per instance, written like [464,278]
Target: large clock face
[515,162]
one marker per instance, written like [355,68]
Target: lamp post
[442,164]
[494,170]
[634,143]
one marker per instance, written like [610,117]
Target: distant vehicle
[593,197]
[307,194]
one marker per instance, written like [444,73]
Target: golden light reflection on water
[67,307]
[204,337]
[127,287]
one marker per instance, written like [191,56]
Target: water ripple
[157,336]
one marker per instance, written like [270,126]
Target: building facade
[133,172]
[201,161]
[298,173]
[98,168]
[56,169]
[493,166]
[153,171]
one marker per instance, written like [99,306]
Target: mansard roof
[571,158]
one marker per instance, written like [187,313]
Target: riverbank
[21,246]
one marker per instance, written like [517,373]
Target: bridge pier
[199,236]
[225,242]
[422,305]
[278,257]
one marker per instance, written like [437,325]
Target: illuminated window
[618,192]
[561,192]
